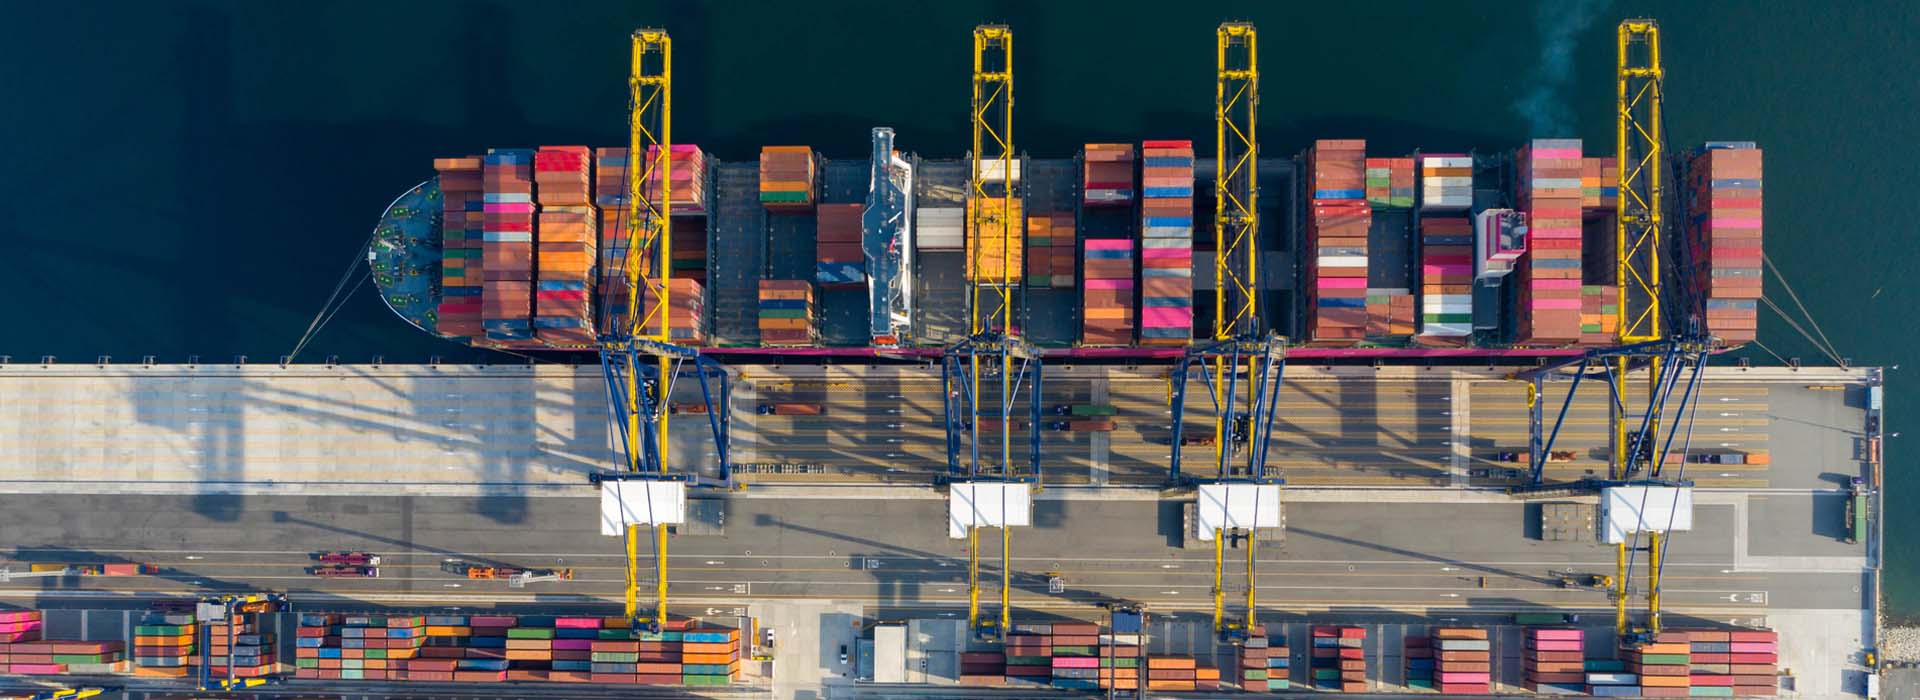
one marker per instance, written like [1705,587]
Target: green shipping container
[1278,683]
[1425,683]
[1321,674]
[1606,665]
[1256,674]
[160,630]
[616,657]
[353,674]
[80,658]
[375,653]
[306,663]
[1093,410]
[785,197]
[1664,659]
[1029,661]
[784,313]
[707,680]
[529,633]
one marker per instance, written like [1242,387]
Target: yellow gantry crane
[647,269]
[1240,366]
[993,365]
[1641,145]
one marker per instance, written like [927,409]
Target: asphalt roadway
[890,553]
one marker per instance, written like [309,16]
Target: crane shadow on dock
[1295,530]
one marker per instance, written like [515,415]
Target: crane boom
[1641,150]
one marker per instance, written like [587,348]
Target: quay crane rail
[638,404]
[993,353]
[1240,366]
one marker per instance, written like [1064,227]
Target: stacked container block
[24,651]
[243,644]
[1662,666]
[1107,293]
[687,165]
[1264,662]
[1050,243]
[1599,183]
[163,643]
[1337,241]
[1180,673]
[461,276]
[566,241]
[983,668]
[501,648]
[1390,182]
[1340,659]
[1446,277]
[940,228]
[1166,244]
[1724,218]
[1389,313]
[610,195]
[1464,661]
[1554,660]
[1599,314]
[1728,663]
[1549,273]
[1418,651]
[787,174]
[690,248]
[507,247]
[842,260]
[990,256]
[686,311]
[1446,183]
[786,314]
[1108,175]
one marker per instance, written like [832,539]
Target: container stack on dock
[787,313]
[992,257]
[842,260]
[1599,183]
[501,648]
[1337,241]
[506,313]
[1554,660]
[1050,244]
[1465,663]
[686,311]
[1446,277]
[1107,293]
[1549,273]
[163,642]
[1180,673]
[461,276]
[244,645]
[566,241]
[24,650]
[1264,662]
[1108,174]
[1340,659]
[688,167]
[1724,214]
[1166,244]
[1728,663]
[983,668]
[1446,183]
[1120,657]
[20,626]
[787,176]
[1390,182]
[1418,651]
[1662,666]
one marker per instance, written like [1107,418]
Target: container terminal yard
[1338,437]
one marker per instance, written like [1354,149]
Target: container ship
[1462,253]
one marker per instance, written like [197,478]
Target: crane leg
[660,571]
[973,579]
[1653,583]
[1219,576]
[1251,599]
[1620,589]
[1006,579]
[633,568]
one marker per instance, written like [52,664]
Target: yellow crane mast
[649,150]
[1638,244]
[996,229]
[1236,258]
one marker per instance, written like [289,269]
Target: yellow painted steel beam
[1653,582]
[993,151]
[1236,101]
[1219,579]
[1006,579]
[973,578]
[1620,589]
[1641,150]
[648,266]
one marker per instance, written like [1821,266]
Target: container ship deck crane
[1240,366]
[993,365]
[645,491]
[1653,334]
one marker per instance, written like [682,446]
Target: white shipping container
[1342,261]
